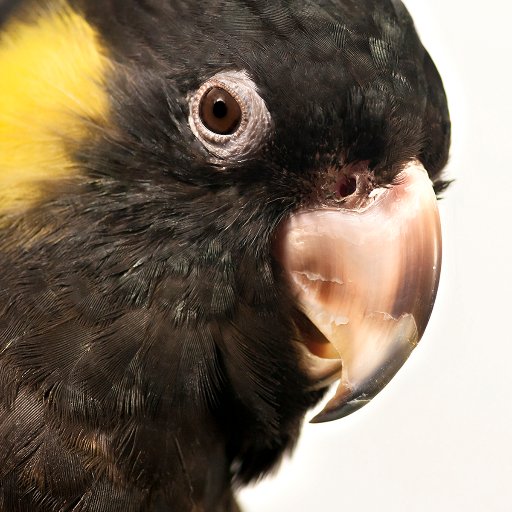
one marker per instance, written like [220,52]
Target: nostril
[346,186]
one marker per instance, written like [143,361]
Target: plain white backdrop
[439,437]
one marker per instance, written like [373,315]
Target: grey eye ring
[229,117]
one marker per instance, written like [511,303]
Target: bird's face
[360,249]
[262,188]
[322,134]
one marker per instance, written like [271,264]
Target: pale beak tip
[337,411]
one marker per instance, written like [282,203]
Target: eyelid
[254,126]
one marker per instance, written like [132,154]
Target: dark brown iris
[220,112]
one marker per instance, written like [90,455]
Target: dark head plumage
[147,337]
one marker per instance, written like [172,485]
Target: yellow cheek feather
[52,86]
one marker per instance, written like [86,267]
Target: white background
[439,437]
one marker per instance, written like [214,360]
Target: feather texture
[147,352]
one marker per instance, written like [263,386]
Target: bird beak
[365,279]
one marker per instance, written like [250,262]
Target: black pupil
[220,109]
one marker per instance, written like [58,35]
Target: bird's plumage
[146,339]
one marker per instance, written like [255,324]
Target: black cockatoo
[210,210]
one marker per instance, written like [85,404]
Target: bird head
[237,209]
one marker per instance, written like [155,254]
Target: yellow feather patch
[52,76]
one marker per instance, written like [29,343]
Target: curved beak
[366,279]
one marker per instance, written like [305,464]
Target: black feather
[147,359]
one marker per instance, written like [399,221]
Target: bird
[210,212]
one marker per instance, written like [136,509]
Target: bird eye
[229,117]
[220,112]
